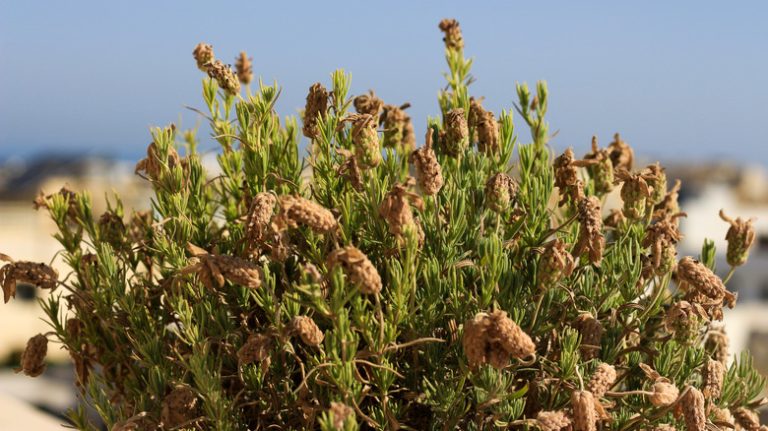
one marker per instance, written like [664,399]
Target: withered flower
[203,54]
[456,137]
[704,287]
[358,269]
[368,104]
[684,320]
[500,192]
[591,331]
[602,380]
[555,263]
[256,349]
[567,177]
[584,411]
[36,274]
[340,412]
[260,213]
[317,105]
[213,270]
[428,171]
[453,38]
[601,168]
[307,330]
[747,419]
[179,407]
[224,76]
[717,344]
[485,128]
[669,204]
[657,181]
[111,229]
[634,192]
[591,239]
[661,237]
[552,420]
[693,410]
[495,338]
[33,357]
[398,127]
[154,164]
[740,236]
[349,169]
[664,393]
[244,67]
[296,211]
[713,374]
[396,208]
[365,139]
[621,153]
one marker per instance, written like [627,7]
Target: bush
[335,291]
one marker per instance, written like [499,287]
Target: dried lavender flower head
[428,171]
[456,137]
[368,104]
[358,268]
[307,330]
[317,105]
[453,38]
[33,357]
[224,76]
[500,192]
[244,67]
[741,235]
[203,54]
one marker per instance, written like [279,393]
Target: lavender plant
[475,282]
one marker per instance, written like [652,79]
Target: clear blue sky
[679,79]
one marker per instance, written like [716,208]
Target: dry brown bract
[154,164]
[340,412]
[368,104]
[584,411]
[350,169]
[600,168]
[317,105]
[661,237]
[307,330]
[396,208]
[428,171]
[365,139]
[664,393]
[692,406]
[657,180]
[256,349]
[296,211]
[684,320]
[500,192]
[591,239]
[179,407]
[746,419]
[740,236]
[398,127]
[713,374]
[259,216]
[213,270]
[358,269]
[555,263]
[567,177]
[493,339]
[602,380]
[634,192]
[552,421]
[453,38]
[485,127]
[244,67]
[591,331]
[224,76]
[703,287]
[37,274]
[203,54]
[33,357]
[621,153]
[456,137]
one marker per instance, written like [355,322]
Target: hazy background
[680,80]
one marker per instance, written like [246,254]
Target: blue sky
[681,80]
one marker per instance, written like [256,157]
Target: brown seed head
[621,153]
[693,410]
[746,419]
[664,393]
[155,163]
[398,128]
[567,177]
[684,320]
[602,380]
[224,76]
[396,208]
[256,349]
[584,412]
[428,171]
[33,357]
[456,137]
[591,238]
[656,178]
[552,420]
[259,216]
[350,169]
[741,235]
[555,263]
[296,211]
[36,274]
[306,328]
[316,106]
[203,54]
[244,67]
[365,139]
[721,415]
[493,339]
[357,268]
[601,168]
[453,38]
[713,375]
[591,331]
[179,407]
[703,286]
[368,104]
[500,192]
[635,193]
[340,412]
